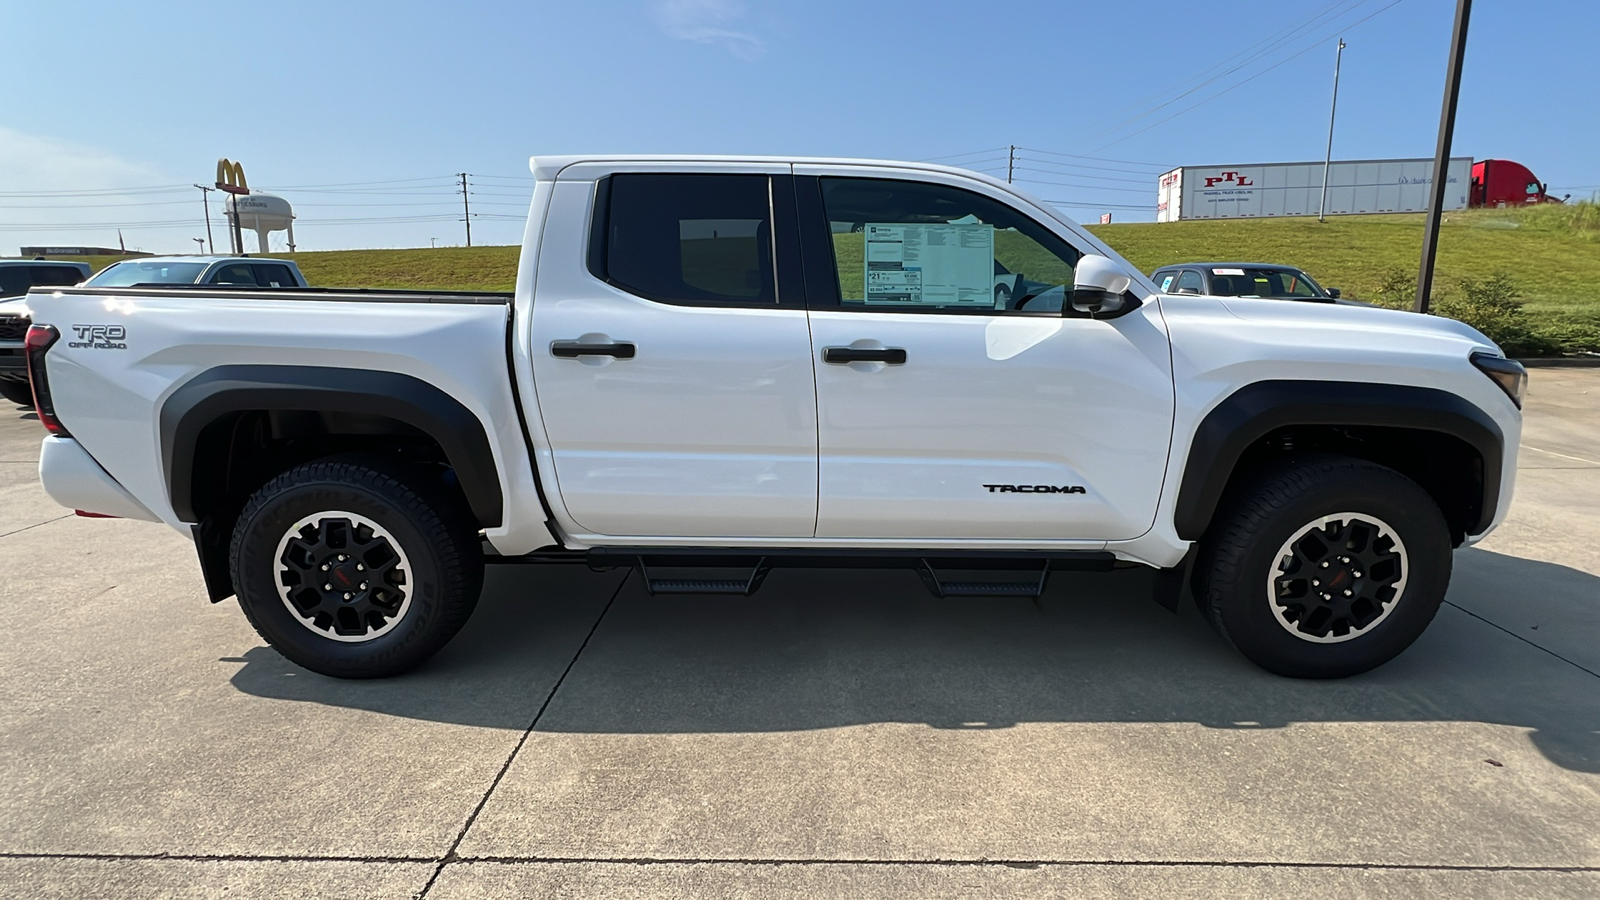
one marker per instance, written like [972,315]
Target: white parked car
[715,366]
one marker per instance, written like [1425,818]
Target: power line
[1246,81]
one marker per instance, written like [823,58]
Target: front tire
[1325,567]
[354,569]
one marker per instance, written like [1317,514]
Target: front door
[672,360]
[956,398]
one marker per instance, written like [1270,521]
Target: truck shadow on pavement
[824,649]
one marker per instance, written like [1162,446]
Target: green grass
[1550,253]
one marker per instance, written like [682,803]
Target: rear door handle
[894,356]
[575,349]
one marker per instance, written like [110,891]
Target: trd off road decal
[99,337]
[1036,489]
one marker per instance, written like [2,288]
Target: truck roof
[545,168]
[204,259]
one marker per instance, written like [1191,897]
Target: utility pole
[205,200]
[1011,160]
[1338,59]
[466,210]
[1441,156]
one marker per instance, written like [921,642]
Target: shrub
[1494,306]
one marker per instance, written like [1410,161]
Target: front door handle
[575,349]
[894,356]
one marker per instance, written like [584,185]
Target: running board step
[682,576]
[986,578]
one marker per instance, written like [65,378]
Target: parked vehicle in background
[1501,182]
[716,366]
[237,271]
[16,277]
[1295,189]
[1232,279]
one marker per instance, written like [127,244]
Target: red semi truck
[1501,182]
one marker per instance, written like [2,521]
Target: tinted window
[274,276]
[56,275]
[687,238]
[1189,281]
[1164,279]
[928,247]
[125,274]
[234,273]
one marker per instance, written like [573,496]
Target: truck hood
[1373,326]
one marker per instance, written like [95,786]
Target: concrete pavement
[840,734]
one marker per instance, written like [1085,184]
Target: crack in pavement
[450,855]
[980,862]
[36,525]
[1519,637]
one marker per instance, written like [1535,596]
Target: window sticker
[1166,282]
[930,265]
[1227,271]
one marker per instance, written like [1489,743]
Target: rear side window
[275,276]
[56,275]
[694,239]
[237,273]
[14,280]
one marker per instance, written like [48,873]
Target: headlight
[1508,373]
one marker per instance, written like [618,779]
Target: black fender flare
[1256,410]
[227,389]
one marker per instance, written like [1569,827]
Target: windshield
[126,274]
[1269,283]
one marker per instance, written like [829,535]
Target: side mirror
[1334,293]
[1100,287]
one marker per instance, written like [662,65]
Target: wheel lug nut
[347,596]
[1327,596]
[361,568]
[326,567]
[342,558]
[1324,564]
[363,585]
[1316,582]
[1356,574]
[1347,593]
[327,587]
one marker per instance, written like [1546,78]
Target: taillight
[40,338]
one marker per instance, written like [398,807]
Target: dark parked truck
[714,366]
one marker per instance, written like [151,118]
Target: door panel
[908,450]
[707,430]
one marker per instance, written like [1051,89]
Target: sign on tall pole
[1441,157]
[230,179]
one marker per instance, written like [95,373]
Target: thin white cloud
[709,22]
[62,193]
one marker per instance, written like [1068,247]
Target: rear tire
[355,569]
[1325,567]
[18,392]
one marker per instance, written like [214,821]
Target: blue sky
[126,103]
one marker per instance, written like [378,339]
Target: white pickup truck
[711,367]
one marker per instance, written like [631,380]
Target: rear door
[957,398]
[671,355]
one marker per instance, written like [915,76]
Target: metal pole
[1338,59]
[1441,156]
[465,209]
[205,195]
[238,232]
[1011,161]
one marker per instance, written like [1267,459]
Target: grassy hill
[1550,254]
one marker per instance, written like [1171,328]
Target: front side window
[680,238]
[1189,283]
[923,247]
[127,274]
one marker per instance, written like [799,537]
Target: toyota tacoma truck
[713,367]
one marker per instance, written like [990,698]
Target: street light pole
[1441,156]
[206,202]
[1338,60]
